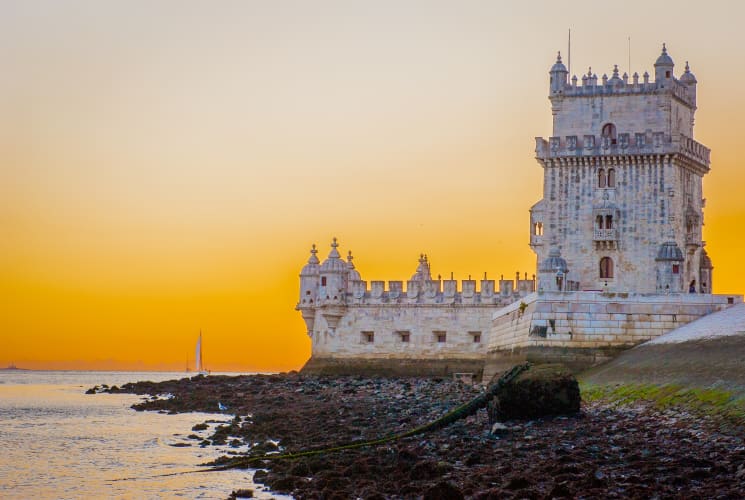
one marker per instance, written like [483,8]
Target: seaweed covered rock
[543,390]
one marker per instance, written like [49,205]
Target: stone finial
[664,49]
[349,257]
[334,253]
[615,71]
[558,57]
[646,77]
[589,72]
[313,258]
[636,78]
[574,81]
[605,78]
[688,68]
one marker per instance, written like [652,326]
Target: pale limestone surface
[597,320]
[721,324]
[426,319]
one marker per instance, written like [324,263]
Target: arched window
[608,222]
[538,229]
[606,268]
[601,178]
[611,178]
[609,130]
[323,281]
[599,221]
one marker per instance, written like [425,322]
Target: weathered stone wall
[583,328]
[380,331]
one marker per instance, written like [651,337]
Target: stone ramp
[724,323]
[707,352]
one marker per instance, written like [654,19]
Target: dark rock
[241,494]
[200,427]
[543,390]
[443,491]
[260,476]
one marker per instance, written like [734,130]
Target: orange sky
[165,167]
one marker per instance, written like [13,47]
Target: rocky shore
[608,450]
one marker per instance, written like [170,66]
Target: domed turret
[668,262]
[669,251]
[309,281]
[552,272]
[333,272]
[423,272]
[559,75]
[554,262]
[663,67]
[689,79]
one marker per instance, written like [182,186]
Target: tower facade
[622,207]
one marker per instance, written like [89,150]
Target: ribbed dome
[664,59]
[353,274]
[554,262]
[334,264]
[688,77]
[705,261]
[558,65]
[669,251]
[311,268]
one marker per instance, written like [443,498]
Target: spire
[313,257]
[334,253]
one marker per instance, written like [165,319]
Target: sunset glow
[165,167]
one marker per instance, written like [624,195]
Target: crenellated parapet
[624,143]
[334,285]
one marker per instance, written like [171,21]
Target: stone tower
[622,206]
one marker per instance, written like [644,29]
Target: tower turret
[332,292]
[559,76]
[353,276]
[690,81]
[309,281]
[663,68]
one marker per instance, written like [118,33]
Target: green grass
[702,401]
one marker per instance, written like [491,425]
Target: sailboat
[199,368]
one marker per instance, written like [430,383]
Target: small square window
[676,268]
[440,337]
[476,337]
[368,337]
[404,336]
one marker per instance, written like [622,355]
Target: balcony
[605,235]
[692,239]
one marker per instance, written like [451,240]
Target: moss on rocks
[544,390]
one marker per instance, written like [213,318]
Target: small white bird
[221,406]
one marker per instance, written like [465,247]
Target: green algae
[705,401]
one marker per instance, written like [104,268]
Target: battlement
[637,143]
[621,86]
[438,292]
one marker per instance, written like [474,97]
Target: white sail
[198,368]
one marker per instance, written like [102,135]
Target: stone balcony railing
[624,144]
[693,239]
[605,235]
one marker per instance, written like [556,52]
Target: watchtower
[622,206]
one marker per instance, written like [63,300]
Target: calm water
[57,442]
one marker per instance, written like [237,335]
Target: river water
[58,442]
